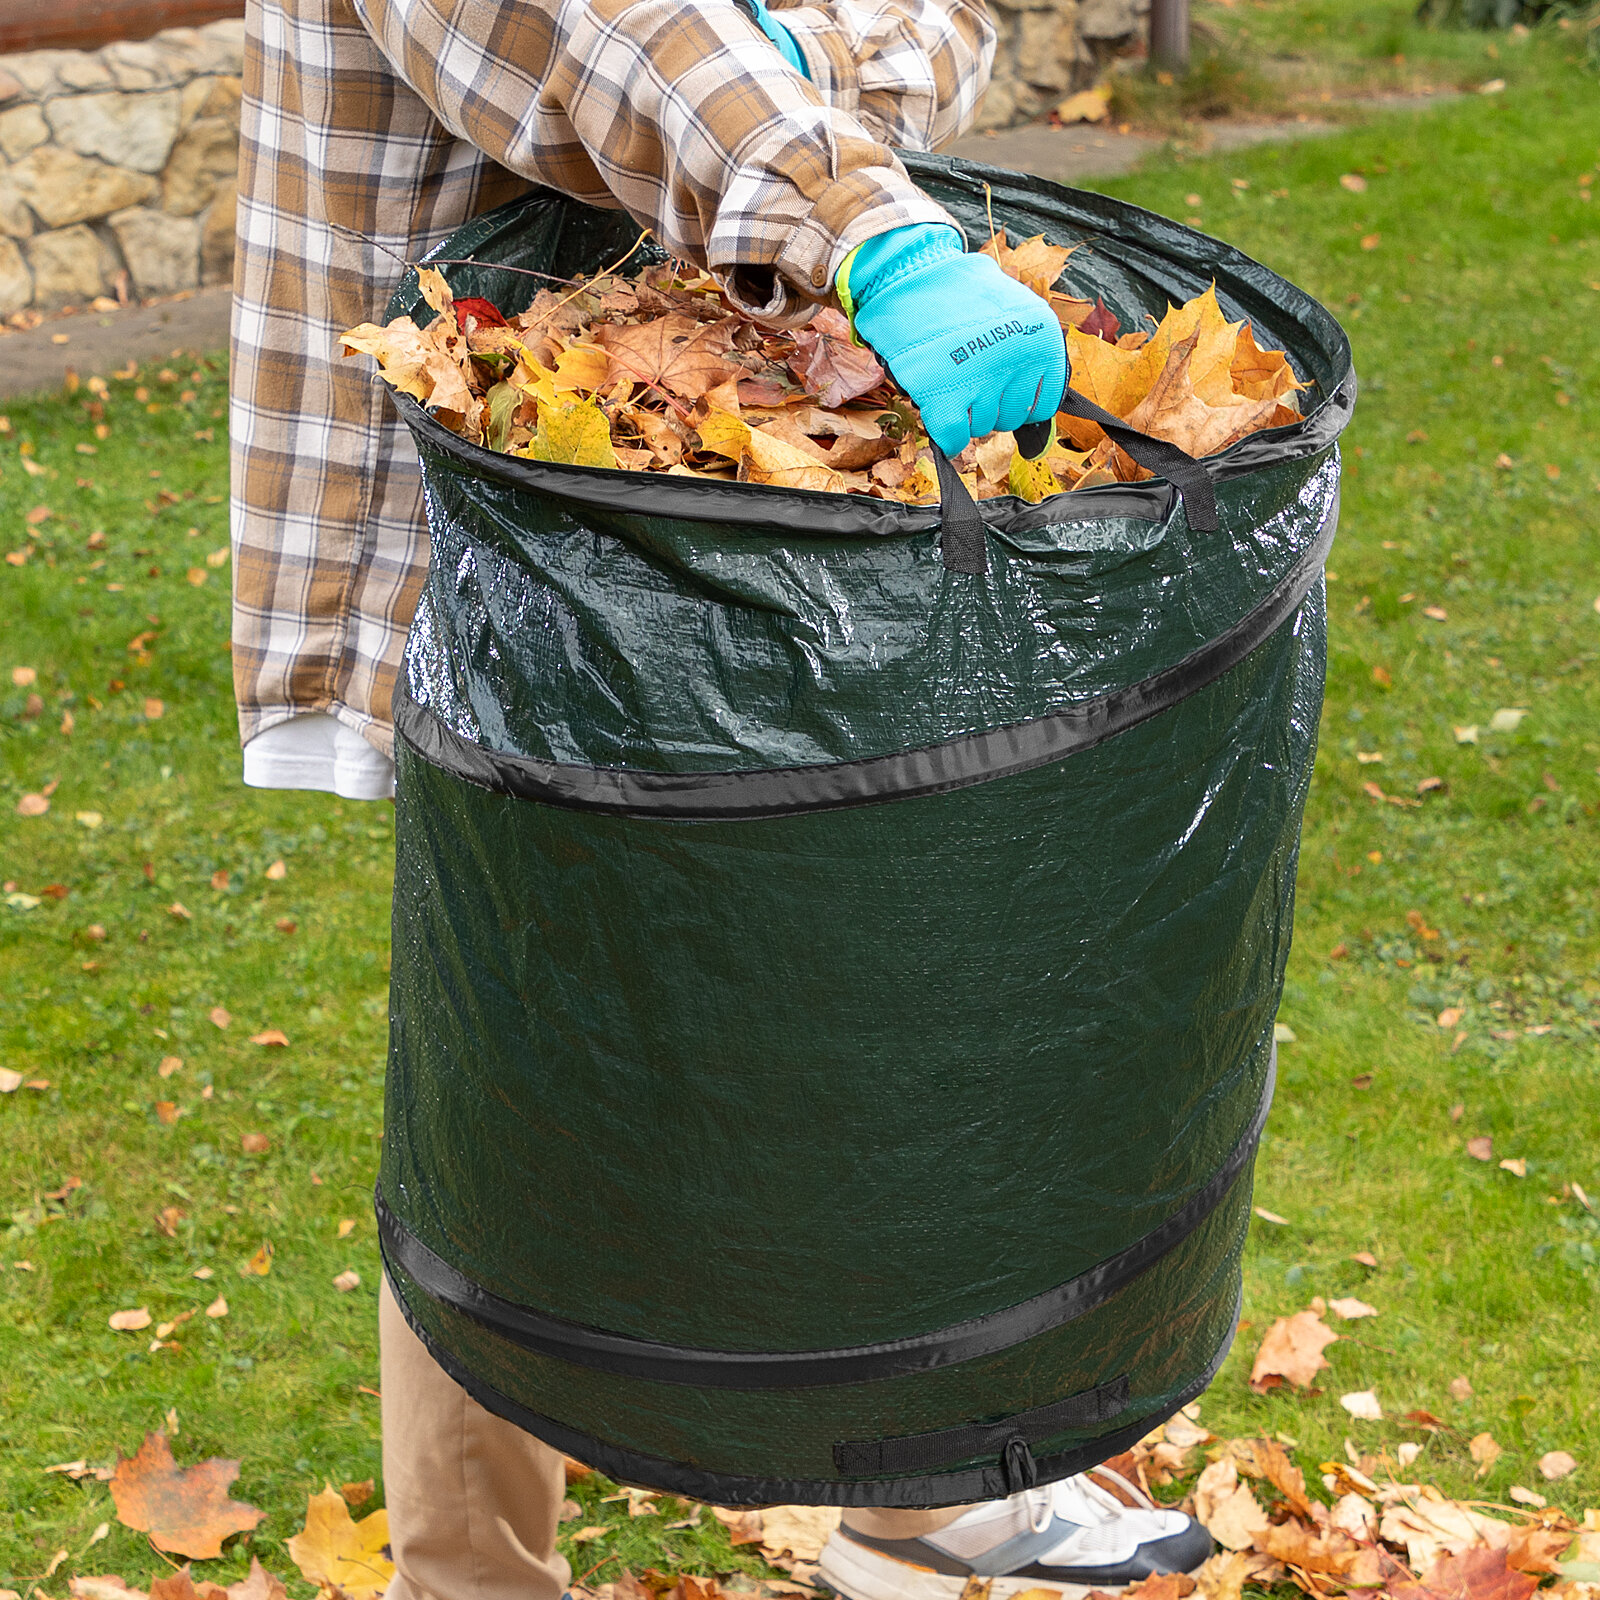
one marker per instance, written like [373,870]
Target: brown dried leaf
[1478,1574]
[1227,1507]
[830,365]
[417,361]
[1292,1351]
[684,357]
[186,1511]
[770,460]
[1033,262]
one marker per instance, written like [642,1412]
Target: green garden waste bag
[833,983]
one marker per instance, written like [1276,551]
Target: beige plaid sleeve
[911,72]
[681,110]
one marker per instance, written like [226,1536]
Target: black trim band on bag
[919,1452]
[732,1489]
[631,1357]
[959,763]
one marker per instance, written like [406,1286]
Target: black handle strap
[963,540]
[1188,476]
[1178,467]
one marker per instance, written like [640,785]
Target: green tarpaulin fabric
[833,993]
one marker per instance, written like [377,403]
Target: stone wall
[117,165]
[1048,48]
[117,168]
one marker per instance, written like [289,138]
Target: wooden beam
[88,24]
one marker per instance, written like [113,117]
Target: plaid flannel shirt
[374,128]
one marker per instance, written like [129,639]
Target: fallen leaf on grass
[744,1527]
[1481,1149]
[1227,1507]
[1224,1575]
[1363,1405]
[1556,1465]
[347,1226]
[255,1144]
[186,1511]
[1292,1352]
[1478,1574]
[335,1551]
[1349,1310]
[347,1280]
[1158,1586]
[129,1321]
[356,1494]
[593,1531]
[270,1037]
[791,1534]
[218,1307]
[1485,1451]
[1517,1166]
[219,1016]
[32,805]
[168,1065]
[1460,1389]
[260,1264]
[1526,1497]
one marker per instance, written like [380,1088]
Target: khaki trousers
[474,1501]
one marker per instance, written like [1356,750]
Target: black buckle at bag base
[1008,1439]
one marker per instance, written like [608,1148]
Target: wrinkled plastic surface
[829,1079]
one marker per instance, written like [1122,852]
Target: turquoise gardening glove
[975,349]
[781,37]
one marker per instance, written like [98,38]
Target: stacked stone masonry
[117,168]
[1048,48]
[118,165]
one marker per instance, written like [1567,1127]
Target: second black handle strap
[1187,475]
[963,541]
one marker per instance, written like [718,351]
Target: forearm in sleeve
[912,72]
[676,110]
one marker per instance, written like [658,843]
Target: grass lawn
[1466,265]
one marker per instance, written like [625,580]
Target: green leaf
[503,401]
[576,435]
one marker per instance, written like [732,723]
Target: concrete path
[1068,155]
[100,342]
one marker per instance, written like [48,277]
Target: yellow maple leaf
[1031,480]
[576,435]
[724,434]
[332,1549]
[430,280]
[416,361]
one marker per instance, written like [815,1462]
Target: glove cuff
[888,257]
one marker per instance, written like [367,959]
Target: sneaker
[1071,1536]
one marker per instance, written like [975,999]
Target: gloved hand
[975,349]
[780,36]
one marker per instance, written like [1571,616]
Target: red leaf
[486,311]
[1102,321]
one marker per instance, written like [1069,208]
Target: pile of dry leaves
[660,372]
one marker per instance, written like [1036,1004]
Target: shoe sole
[861,1574]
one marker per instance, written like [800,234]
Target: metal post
[1169,34]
